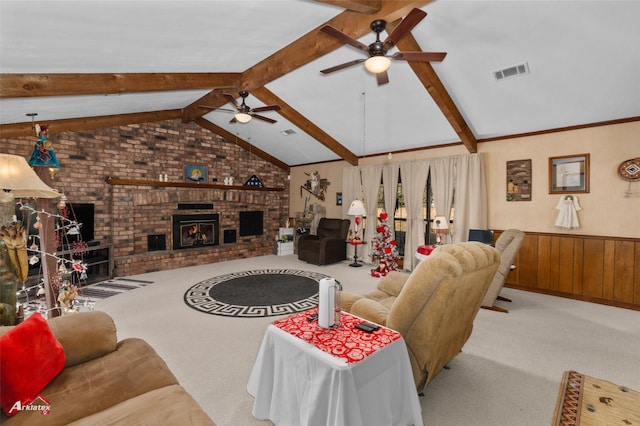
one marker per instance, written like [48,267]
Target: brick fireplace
[194,230]
[126,216]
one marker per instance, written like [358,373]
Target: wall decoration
[519,180]
[338,198]
[568,208]
[195,173]
[569,174]
[315,185]
[629,170]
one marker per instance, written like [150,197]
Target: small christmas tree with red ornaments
[385,253]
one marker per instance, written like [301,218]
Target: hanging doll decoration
[43,155]
[568,209]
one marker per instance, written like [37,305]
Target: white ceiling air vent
[514,71]
[288,132]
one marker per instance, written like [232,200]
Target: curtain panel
[462,175]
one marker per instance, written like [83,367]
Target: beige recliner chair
[508,245]
[433,308]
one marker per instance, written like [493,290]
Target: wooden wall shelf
[157,183]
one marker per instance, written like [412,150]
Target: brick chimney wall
[125,215]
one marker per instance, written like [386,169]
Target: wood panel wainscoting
[591,268]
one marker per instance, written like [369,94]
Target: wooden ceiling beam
[29,85]
[430,80]
[89,123]
[360,6]
[307,48]
[240,142]
[316,44]
[269,98]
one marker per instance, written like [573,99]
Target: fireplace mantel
[140,182]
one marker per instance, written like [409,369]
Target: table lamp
[440,227]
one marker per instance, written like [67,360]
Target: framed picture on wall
[519,180]
[195,173]
[338,198]
[569,174]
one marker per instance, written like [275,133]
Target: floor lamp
[356,209]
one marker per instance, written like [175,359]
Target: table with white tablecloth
[307,375]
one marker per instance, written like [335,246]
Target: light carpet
[507,374]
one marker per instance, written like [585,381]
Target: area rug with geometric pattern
[586,401]
[256,293]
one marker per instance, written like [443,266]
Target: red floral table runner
[346,342]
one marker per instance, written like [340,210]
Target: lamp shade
[242,117]
[356,208]
[440,224]
[17,178]
[377,64]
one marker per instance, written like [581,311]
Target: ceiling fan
[378,62]
[243,113]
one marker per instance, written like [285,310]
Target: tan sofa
[434,307]
[106,382]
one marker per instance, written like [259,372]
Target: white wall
[605,211]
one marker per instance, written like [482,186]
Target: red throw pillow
[30,357]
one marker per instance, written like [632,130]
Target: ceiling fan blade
[263,118]
[382,77]
[342,66]
[231,99]
[334,32]
[419,56]
[407,24]
[266,108]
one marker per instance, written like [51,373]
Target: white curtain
[471,196]
[464,173]
[371,176]
[443,177]
[414,180]
[390,181]
[351,189]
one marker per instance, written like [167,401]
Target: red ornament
[357,220]
[384,216]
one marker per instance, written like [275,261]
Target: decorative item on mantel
[254,181]
[385,253]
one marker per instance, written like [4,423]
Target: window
[400,213]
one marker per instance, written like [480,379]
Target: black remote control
[367,327]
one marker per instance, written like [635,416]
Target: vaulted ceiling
[92,64]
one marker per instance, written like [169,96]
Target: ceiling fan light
[243,117]
[377,64]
